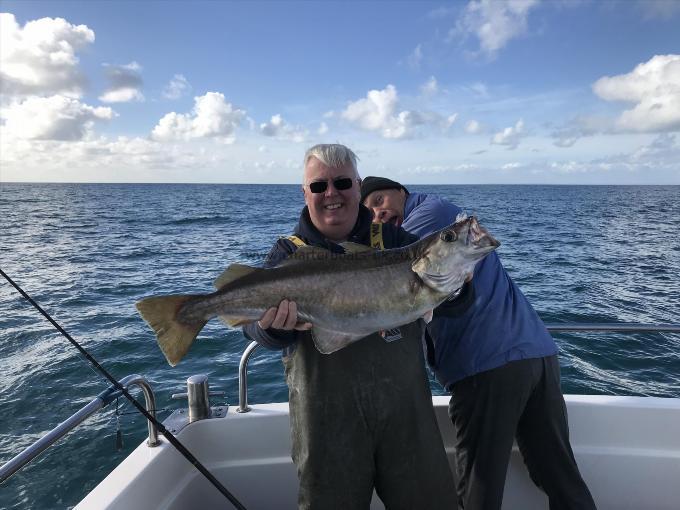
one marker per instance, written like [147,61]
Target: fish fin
[174,337]
[305,254]
[328,341]
[234,322]
[419,266]
[232,273]
[355,247]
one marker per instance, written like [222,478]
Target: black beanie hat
[371,184]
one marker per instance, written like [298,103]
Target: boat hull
[627,448]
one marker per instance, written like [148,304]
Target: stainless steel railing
[619,327]
[102,400]
[243,378]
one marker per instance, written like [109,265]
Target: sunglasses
[340,184]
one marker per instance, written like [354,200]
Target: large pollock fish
[345,297]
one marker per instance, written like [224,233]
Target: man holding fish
[489,348]
[361,417]
[360,405]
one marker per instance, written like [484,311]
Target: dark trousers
[522,400]
[362,418]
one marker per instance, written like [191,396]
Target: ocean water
[87,252]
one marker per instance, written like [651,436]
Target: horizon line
[299,184]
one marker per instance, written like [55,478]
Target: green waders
[362,418]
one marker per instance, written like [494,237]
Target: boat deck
[628,450]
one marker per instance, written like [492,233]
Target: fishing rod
[171,439]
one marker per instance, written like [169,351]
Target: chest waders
[362,419]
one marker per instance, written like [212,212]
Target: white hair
[333,155]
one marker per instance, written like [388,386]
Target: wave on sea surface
[201,220]
[579,253]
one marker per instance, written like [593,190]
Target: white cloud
[664,150]
[415,57]
[494,22]
[177,87]
[655,162]
[99,159]
[430,87]
[122,95]
[279,128]
[451,119]
[40,58]
[52,118]
[480,89]
[125,82]
[565,139]
[323,129]
[659,9]
[212,116]
[510,136]
[440,169]
[261,167]
[273,127]
[654,87]
[143,160]
[473,127]
[140,153]
[377,112]
[579,127]
[571,167]
[511,166]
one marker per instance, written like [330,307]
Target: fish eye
[448,236]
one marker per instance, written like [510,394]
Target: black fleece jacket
[393,237]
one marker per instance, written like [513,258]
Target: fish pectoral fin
[420,266]
[355,247]
[174,337]
[232,273]
[235,322]
[328,341]
[305,254]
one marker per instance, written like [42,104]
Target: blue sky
[523,91]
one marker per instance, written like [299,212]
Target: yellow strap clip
[296,241]
[376,236]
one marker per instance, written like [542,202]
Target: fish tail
[174,337]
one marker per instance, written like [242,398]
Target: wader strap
[376,236]
[296,241]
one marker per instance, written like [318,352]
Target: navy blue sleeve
[275,339]
[431,215]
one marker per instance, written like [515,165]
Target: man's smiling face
[387,205]
[333,212]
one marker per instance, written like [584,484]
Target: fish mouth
[479,236]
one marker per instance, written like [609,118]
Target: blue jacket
[490,323]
